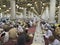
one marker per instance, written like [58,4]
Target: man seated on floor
[21,39]
[13,32]
[57,31]
[53,41]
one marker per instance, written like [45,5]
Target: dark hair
[51,38]
[54,27]
[58,25]
[2,34]
[26,31]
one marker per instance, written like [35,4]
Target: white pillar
[29,14]
[43,15]
[32,15]
[1,15]
[12,4]
[52,11]
[21,15]
[47,13]
[24,12]
[59,13]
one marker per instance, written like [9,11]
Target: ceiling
[39,5]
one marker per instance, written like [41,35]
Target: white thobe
[48,34]
[30,23]
[6,37]
[43,26]
[56,42]
[47,25]
[20,29]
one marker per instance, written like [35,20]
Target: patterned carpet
[31,31]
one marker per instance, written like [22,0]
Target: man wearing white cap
[20,29]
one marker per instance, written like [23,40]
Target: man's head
[51,39]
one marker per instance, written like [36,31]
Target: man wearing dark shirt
[21,39]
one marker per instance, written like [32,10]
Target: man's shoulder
[13,29]
[57,41]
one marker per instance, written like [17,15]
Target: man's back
[13,33]
[57,31]
[21,40]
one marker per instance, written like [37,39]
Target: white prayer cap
[26,28]
[21,30]
[31,35]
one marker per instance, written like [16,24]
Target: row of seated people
[14,33]
[51,33]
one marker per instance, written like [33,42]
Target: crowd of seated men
[14,33]
[51,33]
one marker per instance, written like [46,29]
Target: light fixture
[36,5]
[18,0]
[9,8]
[0,8]
[32,7]
[21,8]
[17,6]
[4,5]
[6,11]
[58,7]
[35,2]
[29,4]
[56,16]
[42,7]
[43,3]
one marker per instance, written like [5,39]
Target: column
[1,15]
[29,14]
[52,11]
[12,4]
[21,15]
[43,15]
[47,13]
[32,14]
[59,13]
[24,11]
